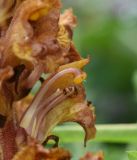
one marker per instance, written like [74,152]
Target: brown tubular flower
[61,98]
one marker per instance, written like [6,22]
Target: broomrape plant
[35,38]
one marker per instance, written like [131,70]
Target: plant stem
[114,133]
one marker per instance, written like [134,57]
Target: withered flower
[36,39]
[61,98]
[91,156]
[34,151]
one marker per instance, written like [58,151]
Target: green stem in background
[115,133]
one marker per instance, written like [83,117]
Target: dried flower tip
[91,156]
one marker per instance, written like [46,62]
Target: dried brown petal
[22,105]
[68,19]
[67,22]
[91,156]
[77,64]
[7,9]
[5,95]
[5,74]
[27,153]
[37,152]
[35,35]
[20,33]
[73,53]
[63,38]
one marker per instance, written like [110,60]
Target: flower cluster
[36,40]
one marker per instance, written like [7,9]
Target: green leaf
[132,155]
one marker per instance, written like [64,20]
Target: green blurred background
[107,31]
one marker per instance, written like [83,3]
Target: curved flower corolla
[61,98]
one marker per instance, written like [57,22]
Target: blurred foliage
[135,84]
[115,138]
[107,31]
[112,133]
[132,155]
[111,152]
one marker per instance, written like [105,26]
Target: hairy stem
[112,133]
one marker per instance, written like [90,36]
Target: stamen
[45,104]
[68,91]
[47,109]
[50,99]
[41,113]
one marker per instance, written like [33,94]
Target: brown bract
[36,152]
[21,105]
[37,34]
[36,39]
[5,106]
[91,156]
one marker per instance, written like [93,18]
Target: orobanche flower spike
[36,39]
